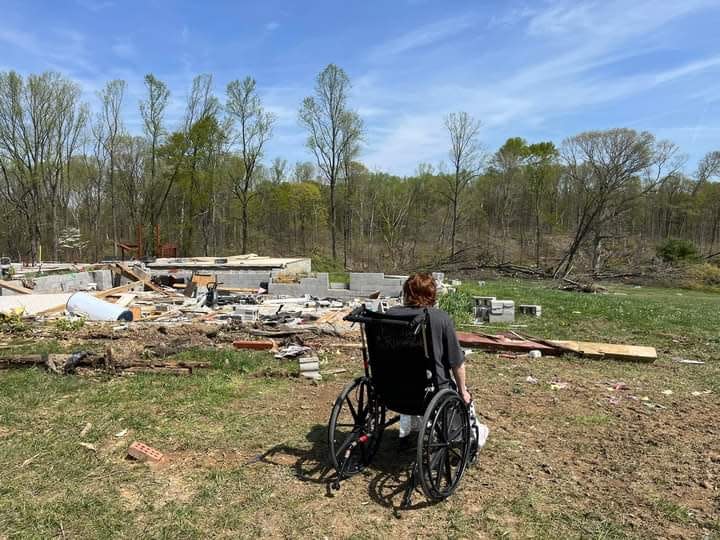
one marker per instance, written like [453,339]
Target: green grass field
[245,442]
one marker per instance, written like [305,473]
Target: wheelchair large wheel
[443,445]
[356,425]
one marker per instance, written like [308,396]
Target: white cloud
[272,25]
[564,49]
[423,36]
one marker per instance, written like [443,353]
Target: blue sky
[542,70]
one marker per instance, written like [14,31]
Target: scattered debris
[80,362]
[532,380]
[121,434]
[557,385]
[534,354]
[680,360]
[704,393]
[86,429]
[143,452]
[667,392]
[292,351]
[89,446]
[29,460]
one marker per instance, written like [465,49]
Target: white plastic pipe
[87,305]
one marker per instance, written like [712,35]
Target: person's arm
[455,358]
[459,374]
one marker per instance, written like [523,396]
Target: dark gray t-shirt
[446,347]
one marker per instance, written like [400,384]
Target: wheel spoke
[361,401]
[432,446]
[448,469]
[352,409]
[450,424]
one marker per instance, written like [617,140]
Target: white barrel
[94,309]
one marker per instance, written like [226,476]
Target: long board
[609,350]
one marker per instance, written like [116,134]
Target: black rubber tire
[368,418]
[444,443]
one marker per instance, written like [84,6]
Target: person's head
[420,290]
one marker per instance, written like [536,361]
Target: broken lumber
[127,272]
[608,350]
[503,343]
[253,345]
[519,344]
[15,288]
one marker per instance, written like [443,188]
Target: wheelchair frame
[443,443]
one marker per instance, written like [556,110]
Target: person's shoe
[404,443]
[474,447]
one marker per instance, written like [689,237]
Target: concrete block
[501,311]
[532,310]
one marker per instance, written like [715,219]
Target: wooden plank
[149,284]
[609,350]
[203,279]
[503,343]
[126,299]
[15,288]
[117,290]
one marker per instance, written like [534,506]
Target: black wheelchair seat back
[400,356]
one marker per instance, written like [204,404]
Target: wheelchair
[400,376]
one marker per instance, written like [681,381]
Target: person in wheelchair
[413,366]
[420,293]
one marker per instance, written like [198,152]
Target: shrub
[70,325]
[12,323]
[701,276]
[459,305]
[675,250]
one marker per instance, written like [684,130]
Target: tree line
[75,184]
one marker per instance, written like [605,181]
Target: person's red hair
[420,290]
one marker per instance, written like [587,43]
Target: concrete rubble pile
[270,298]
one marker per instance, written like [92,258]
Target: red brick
[256,345]
[143,452]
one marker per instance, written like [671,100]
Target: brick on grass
[143,452]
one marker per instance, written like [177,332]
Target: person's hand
[467,398]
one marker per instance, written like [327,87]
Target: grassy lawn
[245,442]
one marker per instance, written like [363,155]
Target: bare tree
[152,110]
[111,98]
[609,171]
[304,171]
[254,128]
[278,169]
[465,160]
[332,130]
[41,122]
